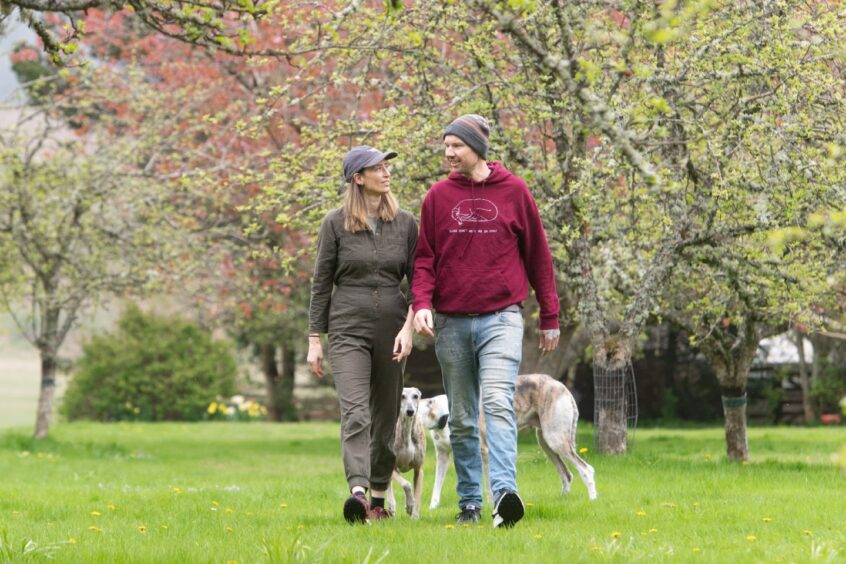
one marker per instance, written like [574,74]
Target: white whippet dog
[435,414]
[410,449]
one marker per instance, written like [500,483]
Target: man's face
[459,156]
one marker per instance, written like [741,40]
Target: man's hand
[548,340]
[315,356]
[423,323]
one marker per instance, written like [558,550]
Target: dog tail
[575,421]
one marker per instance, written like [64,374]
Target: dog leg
[418,492]
[406,488]
[440,473]
[585,470]
[563,471]
[390,501]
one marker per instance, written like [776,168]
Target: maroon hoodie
[480,245]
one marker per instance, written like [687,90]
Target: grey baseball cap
[361,157]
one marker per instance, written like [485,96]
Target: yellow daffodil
[212,408]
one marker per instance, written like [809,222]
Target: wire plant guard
[614,408]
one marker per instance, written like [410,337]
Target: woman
[364,249]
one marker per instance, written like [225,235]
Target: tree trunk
[731,352]
[47,393]
[280,386]
[807,405]
[734,411]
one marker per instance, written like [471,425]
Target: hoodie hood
[498,174]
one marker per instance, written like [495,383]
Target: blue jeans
[481,354]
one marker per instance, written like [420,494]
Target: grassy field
[226,492]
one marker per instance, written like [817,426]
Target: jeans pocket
[511,319]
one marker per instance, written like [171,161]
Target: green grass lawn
[223,492]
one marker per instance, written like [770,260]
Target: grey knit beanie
[473,130]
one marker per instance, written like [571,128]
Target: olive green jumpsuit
[363,316]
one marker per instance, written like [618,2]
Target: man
[481,244]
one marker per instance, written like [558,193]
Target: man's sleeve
[538,260]
[423,285]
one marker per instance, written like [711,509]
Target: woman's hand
[402,343]
[315,356]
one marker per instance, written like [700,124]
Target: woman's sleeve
[324,278]
[409,264]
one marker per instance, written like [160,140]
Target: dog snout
[409,411]
[442,421]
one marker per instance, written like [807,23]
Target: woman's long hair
[355,208]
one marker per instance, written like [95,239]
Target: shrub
[152,368]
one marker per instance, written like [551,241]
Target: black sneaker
[469,514]
[508,509]
[356,509]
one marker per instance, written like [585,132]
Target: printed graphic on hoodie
[476,210]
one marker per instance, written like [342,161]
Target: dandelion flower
[229,510]
[807,533]
[177,491]
[71,540]
[229,529]
[95,513]
[283,505]
[537,536]
[95,528]
[616,534]
[529,504]
[697,549]
[766,519]
[215,503]
[745,463]
[142,529]
[163,527]
[653,530]
[450,526]
[696,504]
[583,450]
[751,538]
[641,513]
[669,505]
[301,526]
[111,506]
[40,455]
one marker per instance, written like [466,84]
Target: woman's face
[375,179]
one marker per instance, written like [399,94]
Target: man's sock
[358,490]
[377,502]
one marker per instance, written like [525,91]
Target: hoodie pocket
[469,289]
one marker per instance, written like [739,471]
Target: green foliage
[151,368]
[830,386]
